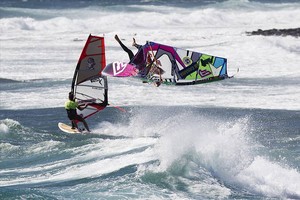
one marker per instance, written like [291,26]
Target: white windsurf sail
[170,65]
[89,86]
[178,66]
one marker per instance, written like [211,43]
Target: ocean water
[234,139]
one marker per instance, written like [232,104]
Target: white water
[211,149]
[210,155]
[44,48]
[42,51]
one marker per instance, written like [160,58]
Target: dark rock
[278,32]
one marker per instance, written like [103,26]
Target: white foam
[271,179]
[97,162]
[3,128]
[45,49]
[6,124]
[228,152]
[6,148]
[43,147]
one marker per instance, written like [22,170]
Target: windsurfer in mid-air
[130,53]
[154,64]
[70,106]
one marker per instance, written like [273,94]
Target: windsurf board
[68,129]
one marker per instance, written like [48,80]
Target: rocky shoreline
[278,32]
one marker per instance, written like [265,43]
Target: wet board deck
[68,129]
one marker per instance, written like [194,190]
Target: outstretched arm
[81,107]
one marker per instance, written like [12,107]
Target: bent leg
[86,126]
[79,118]
[130,53]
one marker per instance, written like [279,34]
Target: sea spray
[271,179]
[127,157]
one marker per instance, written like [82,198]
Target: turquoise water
[233,139]
[181,152]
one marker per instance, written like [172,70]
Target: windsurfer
[70,106]
[130,53]
[152,64]
[155,69]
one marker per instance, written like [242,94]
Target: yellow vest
[71,105]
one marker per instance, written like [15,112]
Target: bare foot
[134,43]
[117,38]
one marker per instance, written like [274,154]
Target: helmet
[71,96]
